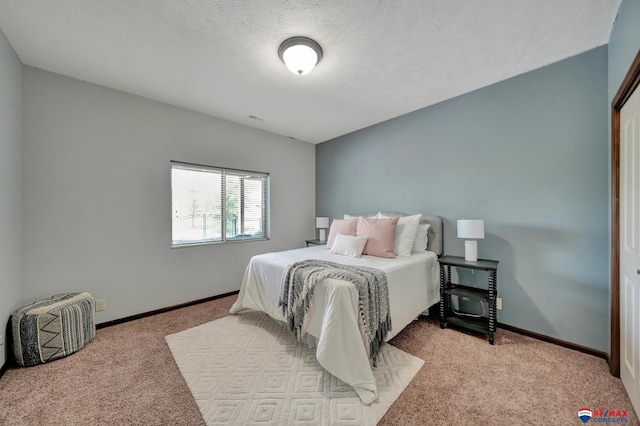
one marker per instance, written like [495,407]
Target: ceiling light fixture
[300,54]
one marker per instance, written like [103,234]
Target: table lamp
[471,230]
[322,223]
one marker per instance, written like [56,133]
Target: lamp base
[471,250]
[322,234]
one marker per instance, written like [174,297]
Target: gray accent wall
[529,155]
[10,196]
[96,195]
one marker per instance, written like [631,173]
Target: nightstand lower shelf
[481,325]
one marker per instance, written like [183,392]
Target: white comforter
[333,326]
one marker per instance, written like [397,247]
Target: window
[213,204]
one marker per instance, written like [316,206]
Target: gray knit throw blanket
[296,297]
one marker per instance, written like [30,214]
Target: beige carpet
[127,376]
[248,369]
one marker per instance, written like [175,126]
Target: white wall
[10,139]
[96,195]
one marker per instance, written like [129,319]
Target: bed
[333,326]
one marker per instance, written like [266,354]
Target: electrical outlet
[101,305]
[499,303]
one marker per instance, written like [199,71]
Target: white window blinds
[213,204]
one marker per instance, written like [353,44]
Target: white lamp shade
[470,229]
[322,222]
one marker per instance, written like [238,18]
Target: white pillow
[348,245]
[422,238]
[406,232]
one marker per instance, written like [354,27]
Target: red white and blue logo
[585,415]
[603,416]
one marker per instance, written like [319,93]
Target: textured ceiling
[381,59]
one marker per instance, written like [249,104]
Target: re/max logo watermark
[610,413]
[603,416]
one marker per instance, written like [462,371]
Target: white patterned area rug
[248,369]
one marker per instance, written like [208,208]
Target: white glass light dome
[300,54]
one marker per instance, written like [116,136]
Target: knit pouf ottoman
[52,328]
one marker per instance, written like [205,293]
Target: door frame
[629,84]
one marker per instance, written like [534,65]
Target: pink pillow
[381,235]
[341,226]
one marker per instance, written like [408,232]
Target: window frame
[263,176]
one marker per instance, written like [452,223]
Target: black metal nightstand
[315,243]
[447,289]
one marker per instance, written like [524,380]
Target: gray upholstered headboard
[436,237]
